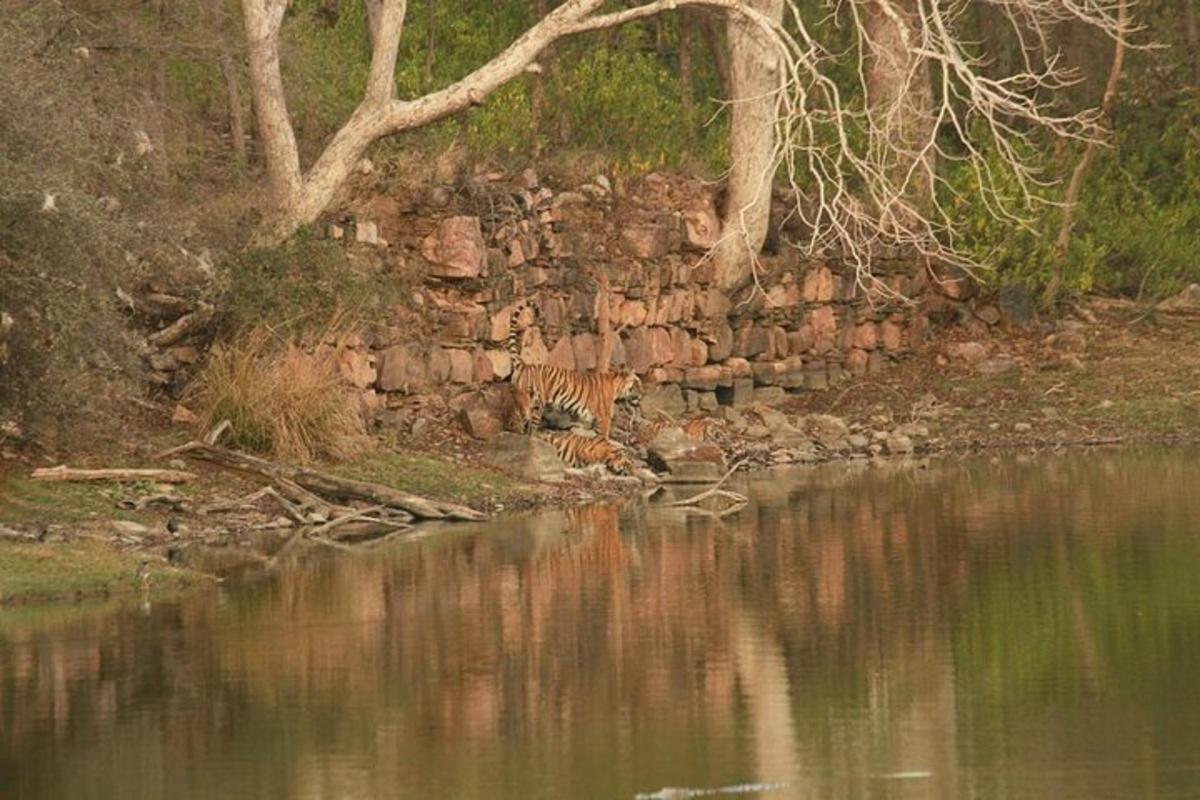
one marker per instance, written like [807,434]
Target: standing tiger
[589,396]
[583,451]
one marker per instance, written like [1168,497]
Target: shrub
[282,399]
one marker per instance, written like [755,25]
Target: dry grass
[282,399]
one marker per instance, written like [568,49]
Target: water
[1000,629]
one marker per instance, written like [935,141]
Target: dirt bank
[1111,372]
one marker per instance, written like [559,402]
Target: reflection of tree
[846,624]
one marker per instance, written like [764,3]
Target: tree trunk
[686,95]
[372,9]
[233,84]
[755,65]
[900,103]
[1075,186]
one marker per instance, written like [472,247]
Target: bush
[281,399]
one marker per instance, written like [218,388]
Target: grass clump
[281,399]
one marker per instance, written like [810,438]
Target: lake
[1010,627]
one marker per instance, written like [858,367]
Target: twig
[333,523]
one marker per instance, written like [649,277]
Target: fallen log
[325,484]
[65,473]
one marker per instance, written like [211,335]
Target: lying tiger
[584,451]
[700,429]
[589,396]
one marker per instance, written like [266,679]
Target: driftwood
[65,473]
[324,484]
[735,498]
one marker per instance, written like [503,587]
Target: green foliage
[289,288]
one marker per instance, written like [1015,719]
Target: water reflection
[1003,629]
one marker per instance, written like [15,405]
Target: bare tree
[1075,185]
[756,79]
[787,109]
[300,196]
[851,199]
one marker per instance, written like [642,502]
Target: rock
[772,419]
[1016,303]
[526,457]
[501,363]
[750,340]
[769,395]
[567,199]
[481,423]
[989,314]
[898,444]
[857,441]
[704,378]
[1067,341]
[667,397]
[1187,300]
[701,225]
[456,248]
[403,369]
[891,335]
[818,285]
[968,352]
[915,430]
[462,367]
[742,392]
[648,241]
[1022,427]
[368,233]
[127,528]
[563,354]
[683,460]
[826,428]
[866,336]
[604,183]
[953,281]
[354,366]
[996,366]
[182,415]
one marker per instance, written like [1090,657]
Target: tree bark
[755,66]
[1075,186]
[900,103]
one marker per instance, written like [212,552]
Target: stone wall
[695,347]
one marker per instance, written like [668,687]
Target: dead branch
[65,473]
[325,485]
[715,490]
[181,327]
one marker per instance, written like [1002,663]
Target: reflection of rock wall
[810,325]
[823,627]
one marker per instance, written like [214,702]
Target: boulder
[647,241]
[456,248]
[666,397]
[826,428]
[683,460]
[526,457]
[482,423]
[701,224]
[1187,300]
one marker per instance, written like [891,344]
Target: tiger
[584,451]
[699,429]
[589,396]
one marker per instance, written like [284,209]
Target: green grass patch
[30,572]
[24,500]
[430,477]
